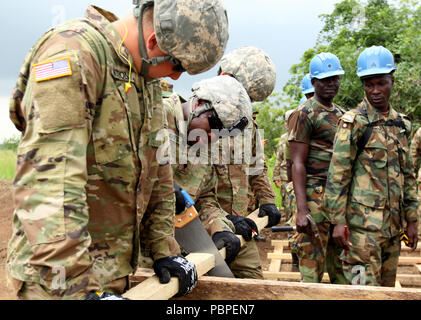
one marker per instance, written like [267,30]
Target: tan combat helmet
[193,33]
[253,68]
[228,98]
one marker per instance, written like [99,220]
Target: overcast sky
[284,29]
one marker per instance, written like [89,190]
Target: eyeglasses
[177,66]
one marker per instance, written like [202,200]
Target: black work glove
[180,203]
[103,296]
[243,226]
[272,212]
[177,266]
[230,241]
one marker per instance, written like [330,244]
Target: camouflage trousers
[285,200]
[419,209]
[247,264]
[292,216]
[318,254]
[373,259]
[35,291]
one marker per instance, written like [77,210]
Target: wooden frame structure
[409,268]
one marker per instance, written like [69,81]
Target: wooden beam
[404,279]
[152,289]
[212,288]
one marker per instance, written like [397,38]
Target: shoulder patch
[348,117]
[52,69]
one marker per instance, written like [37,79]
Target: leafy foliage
[354,26]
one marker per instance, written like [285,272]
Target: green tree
[354,26]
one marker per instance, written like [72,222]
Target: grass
[7,164]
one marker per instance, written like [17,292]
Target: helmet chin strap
[146,63]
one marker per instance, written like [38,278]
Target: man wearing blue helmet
[312,130]
[306,88]
[370,192]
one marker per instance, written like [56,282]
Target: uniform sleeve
[159,216]
[278,162]
[51,173]
[259,181]
[300,127]
[210,212]
[415,150]
[410,200]
[340,172]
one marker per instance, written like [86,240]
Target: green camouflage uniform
[89,193]
[315,125]
[239,184]
[280,171]
[373,194]
[200,181]
[415,151]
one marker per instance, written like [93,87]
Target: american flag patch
[52,69]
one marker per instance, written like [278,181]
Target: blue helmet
[325,65]
[303,99]
[375,60]
[306,85]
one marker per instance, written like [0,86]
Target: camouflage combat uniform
[315,125]
[415,151]
[200,181]
[374,193]
[89,193]
[280,172]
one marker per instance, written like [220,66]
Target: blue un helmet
[375,60]
[306,85]
[303,99]
[325,65]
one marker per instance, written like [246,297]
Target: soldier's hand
[340,237]
[412,232]
[231,243]
[177,266]
[272,212]
[278,184]
[303,225]
[243,226]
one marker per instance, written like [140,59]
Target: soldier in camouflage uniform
[253,68]
[312,130]
[199,179]
[370,193]
[415,151]
[89,193]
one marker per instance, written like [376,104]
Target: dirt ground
[6,214]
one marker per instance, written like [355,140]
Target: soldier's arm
[259,180]
[410,201]
[51,173]
[210,212]
[340,170]
[278,162]
[415,150]
[159,216]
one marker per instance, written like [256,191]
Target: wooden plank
[403,279]
[397,284]
[211,288]
[275,264]
[152,289]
